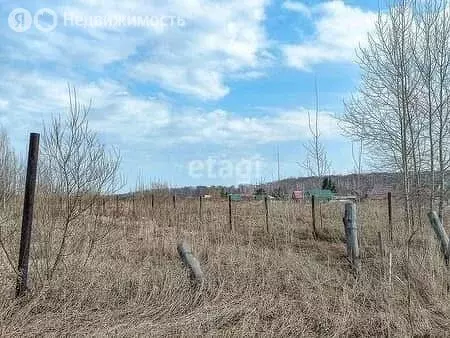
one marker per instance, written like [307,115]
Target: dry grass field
[282,283]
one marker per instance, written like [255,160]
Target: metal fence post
[390,216]
[27,217]
[229,213]
[266,205]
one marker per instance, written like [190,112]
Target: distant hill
[345,184]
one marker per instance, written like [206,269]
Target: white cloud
[3,104]
[203,83]
[132,120]
[34,97]
[219,39]
[250,75]
[140,120]
[222,127]
[297,6]
[339,28]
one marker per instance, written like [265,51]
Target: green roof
[320,193]
[236,197]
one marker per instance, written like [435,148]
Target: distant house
[297,195]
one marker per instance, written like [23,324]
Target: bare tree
[433,65]
[384,112]
[316,162]
[357,157]
[441,92]
[76,169]
[402,108]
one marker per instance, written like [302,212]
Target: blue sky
[203,93]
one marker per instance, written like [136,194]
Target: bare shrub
[76,171]
[11,172]
[277,284]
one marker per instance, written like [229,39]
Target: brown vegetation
[282,283]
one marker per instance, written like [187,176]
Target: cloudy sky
[193,92]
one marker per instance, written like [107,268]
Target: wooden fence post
[313,211]
[153,207]
[200,207]
[229,213]
[351,232]
[27,216]
[440,234]
[266,206]
[174,201]
[390,216]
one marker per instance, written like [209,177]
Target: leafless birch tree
[384,112]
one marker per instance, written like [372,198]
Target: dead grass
[278,284]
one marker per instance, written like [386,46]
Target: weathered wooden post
[351,232]
[27,216]
[153,207]
[189,260]
[440,234]
[133,201]
[174,201]
[104,206]
[266,206]
[313,212]
[200,207]
[229,213]
[390,216]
